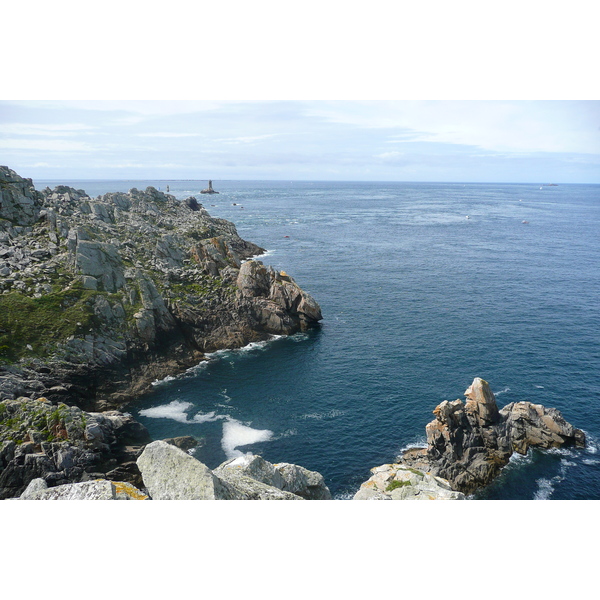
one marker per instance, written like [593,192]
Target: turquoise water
[417,300]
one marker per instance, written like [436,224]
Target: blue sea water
[423,286]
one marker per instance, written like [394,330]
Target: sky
[399,91]
[547,141]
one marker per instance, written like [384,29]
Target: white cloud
[45,145]
[529,126]
[166,134]
[49,129]
[249,139]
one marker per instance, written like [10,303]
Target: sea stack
[209,189]
[469,442]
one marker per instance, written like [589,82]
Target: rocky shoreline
[101,297]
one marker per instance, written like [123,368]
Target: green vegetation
[396,484]
[50,423]
[33,326]
[415,472]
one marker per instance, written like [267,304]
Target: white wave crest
[545,489]
[207,417]
[165,380]
[175,410]
[419,444]
[235,434]
[504,391]
[326,415]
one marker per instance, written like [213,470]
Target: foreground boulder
[397,482]
[287,477]
[169,473]
[100,489]
[468,443]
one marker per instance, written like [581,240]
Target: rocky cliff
[100,297]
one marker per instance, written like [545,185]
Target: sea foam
[175,410]
[235,434]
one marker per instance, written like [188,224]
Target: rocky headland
[99,297]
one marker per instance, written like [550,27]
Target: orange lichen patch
[42,399]
[129,490]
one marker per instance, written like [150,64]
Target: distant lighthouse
[209,189]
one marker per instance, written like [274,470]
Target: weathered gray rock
[62,444]
[102,261]
[100,489]
[20,203]
[171,474]
[252,466]
[309,485]
[397,482]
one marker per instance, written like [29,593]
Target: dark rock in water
[469,443]
[184,442]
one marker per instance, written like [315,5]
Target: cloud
[167,134]
[49,129]
[45,145]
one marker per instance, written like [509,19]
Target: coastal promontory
[100,297]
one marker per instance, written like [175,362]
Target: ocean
[423,286]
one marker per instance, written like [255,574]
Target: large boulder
[171,474]
[290,479]
[309,485]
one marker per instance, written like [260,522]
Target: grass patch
[396,484]
[33,326]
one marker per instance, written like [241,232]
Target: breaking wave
[236,434]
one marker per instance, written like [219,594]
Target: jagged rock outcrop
[101,297]
[20,203]
[397,482]
[469,442]
[62,444]
[169,473]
